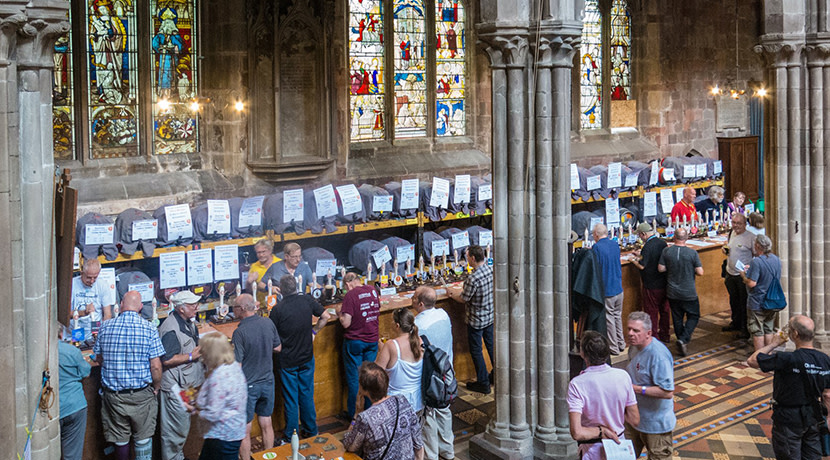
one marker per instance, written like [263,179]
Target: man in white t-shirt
[435,324]
[91,301]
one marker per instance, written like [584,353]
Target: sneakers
[479,387]
[681,348]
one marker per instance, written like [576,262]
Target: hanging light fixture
[732,87]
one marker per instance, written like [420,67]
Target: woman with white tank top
[403,359]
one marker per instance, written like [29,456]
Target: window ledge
[408,162]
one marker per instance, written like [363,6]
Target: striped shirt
[127,344]
[478,294]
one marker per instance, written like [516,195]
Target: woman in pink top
[600,399]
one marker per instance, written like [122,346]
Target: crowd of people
[162,376]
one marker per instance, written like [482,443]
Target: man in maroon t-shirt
[359,317]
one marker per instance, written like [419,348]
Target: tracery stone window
[604,66]
[425,62]
[104,97]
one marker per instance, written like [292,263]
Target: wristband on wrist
[643,390]
[190,357]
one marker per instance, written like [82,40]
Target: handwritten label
[250,214]
[99,233]
[410,195]
[179,223]
[219,217]
[171,270]
[226,262]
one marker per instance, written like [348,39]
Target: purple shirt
[601,394]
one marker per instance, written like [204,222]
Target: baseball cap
[184,297]
[644,228]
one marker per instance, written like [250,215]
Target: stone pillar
[26,180]
[817,64]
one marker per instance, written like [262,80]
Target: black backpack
[438,385]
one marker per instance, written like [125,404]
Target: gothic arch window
[105,96]
[424,62]
[604,65]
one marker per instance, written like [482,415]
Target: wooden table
[317,445]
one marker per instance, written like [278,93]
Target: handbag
[395,430]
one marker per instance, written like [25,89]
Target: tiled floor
[722,405]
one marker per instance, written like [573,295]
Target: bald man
[91,300]
[608,256]
[685,207]
[800,385]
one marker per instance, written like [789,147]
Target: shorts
[260,399]
[129,414]
[761,322]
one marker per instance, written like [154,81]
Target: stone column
[553,103]
[27,103]
[783,184]
[817,64]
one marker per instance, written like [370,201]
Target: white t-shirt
[435,324]
[97,294]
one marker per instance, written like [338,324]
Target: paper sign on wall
[410,195]
[98,233]
[350,199]
[462,189]
[179,223]
[219,217]
[326,202]
[226,262]
[147,229]
[171,270]
[250,214]
[199,266]
[292,206]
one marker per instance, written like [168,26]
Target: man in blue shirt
[608,256]
[652,378]
[291,264]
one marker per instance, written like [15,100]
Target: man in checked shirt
[478,296]
[129,351]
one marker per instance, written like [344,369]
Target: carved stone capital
[513,50]
[555,50]
[818,54]
[9,26]
[36,43]
[781,54]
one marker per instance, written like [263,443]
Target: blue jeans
[354,353]
[474,337]
[298,396]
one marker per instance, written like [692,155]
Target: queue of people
[167,374]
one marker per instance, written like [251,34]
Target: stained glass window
[591,67]
[366,88]
[174,76]
[63,111]
[410,68]
[620,50]
[450,68]
[113,78]
[422,67]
